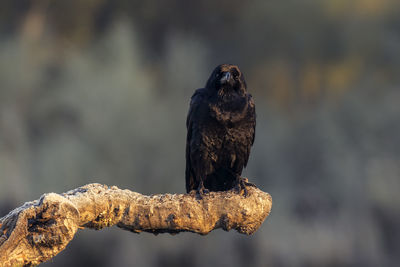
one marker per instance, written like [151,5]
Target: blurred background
[98,91]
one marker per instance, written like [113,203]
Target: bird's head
[227,79]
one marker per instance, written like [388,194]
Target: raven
[220,132]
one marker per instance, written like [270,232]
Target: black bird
[220,132]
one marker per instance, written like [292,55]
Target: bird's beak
[226,77]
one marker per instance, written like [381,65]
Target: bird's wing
[195,102]
[252,133]
[253,112]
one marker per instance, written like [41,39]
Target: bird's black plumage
[220,132]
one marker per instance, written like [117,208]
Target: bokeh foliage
[97,91]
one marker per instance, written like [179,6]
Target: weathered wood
[39,230]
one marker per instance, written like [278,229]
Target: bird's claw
[193,193]
[201,191]
[241,186]
[241,189]
[247,183]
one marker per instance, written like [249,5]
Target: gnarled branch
[39,230]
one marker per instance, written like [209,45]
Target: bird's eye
[217,74]
[235,74]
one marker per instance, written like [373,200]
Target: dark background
[98,91]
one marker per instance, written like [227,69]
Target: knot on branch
[53,223]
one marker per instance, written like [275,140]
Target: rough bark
[39,230]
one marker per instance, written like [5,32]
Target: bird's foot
[201,191]
[241,189]
[241,186]
[193,193]
[247,183]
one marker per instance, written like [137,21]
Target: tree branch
[39,230]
